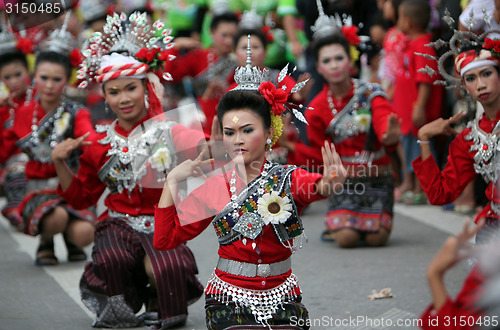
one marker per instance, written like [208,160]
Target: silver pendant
[249,225]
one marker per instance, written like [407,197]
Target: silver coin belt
[263,303]
[142,223]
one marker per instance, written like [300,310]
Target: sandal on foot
[327,236]
[417,199]
[74,252]
[45,255]
[407,197]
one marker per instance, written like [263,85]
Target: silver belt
[140,223]
[253,270]
[17,158]
[42,184]
[364,157]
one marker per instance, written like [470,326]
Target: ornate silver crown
[93,9]
[325,25]
[220,7]
[8,40]
[60,40]
[122,33]
[247,77]
[250,19]
[460,40]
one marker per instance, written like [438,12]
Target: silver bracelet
[423,142]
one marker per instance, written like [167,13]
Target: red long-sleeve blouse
[320,118]
[175,225]
[22,127]
[86,187]
[443,187]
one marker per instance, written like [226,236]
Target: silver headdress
[459,41]
[8,40]
[325,25]
[60,40]
[220,7]
[250,19]
[248,77]
[93,9]
[123,34]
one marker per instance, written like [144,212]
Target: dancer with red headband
[475,150]
[126,272]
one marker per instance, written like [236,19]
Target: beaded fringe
[263,303]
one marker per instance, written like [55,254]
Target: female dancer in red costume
[37,128]
[126,272]
[258,226]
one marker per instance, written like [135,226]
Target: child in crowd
[416,99]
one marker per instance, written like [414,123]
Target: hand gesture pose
[64,149]
[334,173]
[440,126]
[393,131]
[189,168]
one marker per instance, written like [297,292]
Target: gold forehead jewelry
[235,119]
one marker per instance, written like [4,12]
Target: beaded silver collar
[487,160]
[133,153]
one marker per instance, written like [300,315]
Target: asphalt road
[335,282]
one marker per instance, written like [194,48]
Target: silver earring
[146,100]
[106,106]
[226,155]
[268,145]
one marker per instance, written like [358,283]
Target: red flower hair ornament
[351,34]
[24,45]
[277,97]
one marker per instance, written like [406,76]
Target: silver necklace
[36,130]
[355,106]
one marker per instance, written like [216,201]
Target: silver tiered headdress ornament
[8,40]
[460,41]
[325,25]
[251,78]
[250,19]
[220,7]
[123,34]
[60,40]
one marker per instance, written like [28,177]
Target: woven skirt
[365,204]
[114,286]
[223,315]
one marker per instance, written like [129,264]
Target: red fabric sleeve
[172,229]
[456,314]
[303,188]
[83,124]
[186,141]
[86,187]
[443,187]
[381,109]
[188,65]
[310,155]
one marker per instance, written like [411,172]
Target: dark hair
[418,11]
[238,100]
[333,39]
[57,58]
[98,18]
[253,32]
[228,17]
[10,57]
